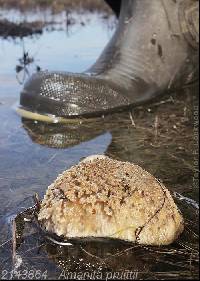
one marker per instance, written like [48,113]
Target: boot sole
[49,118]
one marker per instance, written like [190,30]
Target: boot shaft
[148,40]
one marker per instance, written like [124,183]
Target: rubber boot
[115,5]
[153,52]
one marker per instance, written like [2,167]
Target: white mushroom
[102,197]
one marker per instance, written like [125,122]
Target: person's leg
[154,50]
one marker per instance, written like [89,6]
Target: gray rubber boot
[115,5]
[153,52]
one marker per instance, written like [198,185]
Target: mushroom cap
[102,197]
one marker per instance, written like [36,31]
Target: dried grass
[57,5]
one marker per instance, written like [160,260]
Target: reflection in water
[158,137]
[57,49]
[159,140]
[104,257]
[63,136]
[165,151]
[162,147]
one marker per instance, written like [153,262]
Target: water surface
[159,137]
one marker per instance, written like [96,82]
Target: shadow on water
[159,137]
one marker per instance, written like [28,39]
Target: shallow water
[33,153]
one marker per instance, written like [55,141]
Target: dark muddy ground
[161,137]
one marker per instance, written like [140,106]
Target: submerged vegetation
[22,29]
[57,5]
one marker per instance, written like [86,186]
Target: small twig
[4,243]
[52,157]
[59,243]
[89,254]
[185,111]
[190,230]
[160,251]
[169,100]
[132,120]
[122,252]
[36,200]
[156,128]
[172,79]
[14,242]
[33,248]
[188,200]
[188,248]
